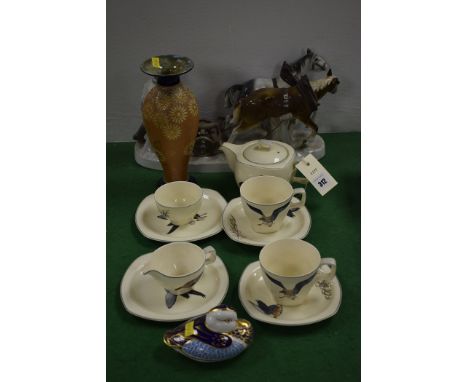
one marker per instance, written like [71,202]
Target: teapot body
[260,157]
[245,171]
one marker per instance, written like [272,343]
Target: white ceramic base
[316,307]
[145,156]
[316,147]
[159,229]
[144,297]
[238,228]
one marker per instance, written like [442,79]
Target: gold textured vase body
[170,114]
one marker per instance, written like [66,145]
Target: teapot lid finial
[266,152]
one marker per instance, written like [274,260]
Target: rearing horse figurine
[301,100]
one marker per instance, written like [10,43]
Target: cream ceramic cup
[179,201]
[179,266]
[291,266]
[266,201]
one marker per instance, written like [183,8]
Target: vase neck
[167,81]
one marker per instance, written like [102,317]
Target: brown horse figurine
[301,100]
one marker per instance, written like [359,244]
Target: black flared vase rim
[171,65]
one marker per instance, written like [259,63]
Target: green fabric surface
[327,351]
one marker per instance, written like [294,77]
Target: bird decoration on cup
[291,293]
[171,298]
[268,220]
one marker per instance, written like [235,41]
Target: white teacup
[266,201]
[290,267]
[179,266]
[179,201]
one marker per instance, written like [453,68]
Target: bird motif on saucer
[273,310]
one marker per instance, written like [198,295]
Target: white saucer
[316,308]
[142,295]
[296,225]
[154,226]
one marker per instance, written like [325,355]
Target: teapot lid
[266,152]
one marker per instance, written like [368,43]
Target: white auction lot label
[316,174]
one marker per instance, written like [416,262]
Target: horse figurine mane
[287,74]
[309,62]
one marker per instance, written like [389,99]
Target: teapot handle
[298,179]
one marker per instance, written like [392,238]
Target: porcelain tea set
[290,284]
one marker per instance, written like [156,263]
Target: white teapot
[261,157]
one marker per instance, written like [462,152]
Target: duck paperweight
[215,336]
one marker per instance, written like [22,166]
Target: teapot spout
[230,151]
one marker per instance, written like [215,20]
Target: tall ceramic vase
[170,114]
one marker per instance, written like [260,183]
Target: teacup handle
[302,199]
[327,276]
[210,254]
